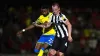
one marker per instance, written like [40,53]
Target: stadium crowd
[86,30]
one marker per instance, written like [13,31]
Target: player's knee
[52,52]
[38,45]
[45,45]
[36,50]
[61,54]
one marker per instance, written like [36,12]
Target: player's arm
[45,25]
[69,27]
[30,27]
[38,25]
[66,21]
[48,24]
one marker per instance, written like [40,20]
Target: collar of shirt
[60,14]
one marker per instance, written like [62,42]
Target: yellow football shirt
[42,19]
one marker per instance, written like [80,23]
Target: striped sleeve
[65,18]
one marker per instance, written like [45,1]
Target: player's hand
[70,39]
[19,33]
[47,24]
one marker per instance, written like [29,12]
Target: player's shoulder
[63,14]
[40,16]
[50,13]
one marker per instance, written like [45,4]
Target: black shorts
[60,44]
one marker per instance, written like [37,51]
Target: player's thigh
[40,42]
[41,39]
[50,39]
[64,46]
[56,44]
[52,51]
[38,45]
[45,45]
[61,54]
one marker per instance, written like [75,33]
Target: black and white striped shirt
[61,29]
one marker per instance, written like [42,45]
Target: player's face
[55,9]
[44,11]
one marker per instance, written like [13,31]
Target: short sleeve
[38,20]
[65,18]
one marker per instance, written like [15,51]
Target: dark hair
[56,4]
[44,7]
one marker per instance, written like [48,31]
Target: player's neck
[58,13]
[46,15]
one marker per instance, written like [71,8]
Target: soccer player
[63,35]
[46,39]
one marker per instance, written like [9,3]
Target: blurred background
[16,15]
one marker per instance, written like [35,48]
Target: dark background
[84,16]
